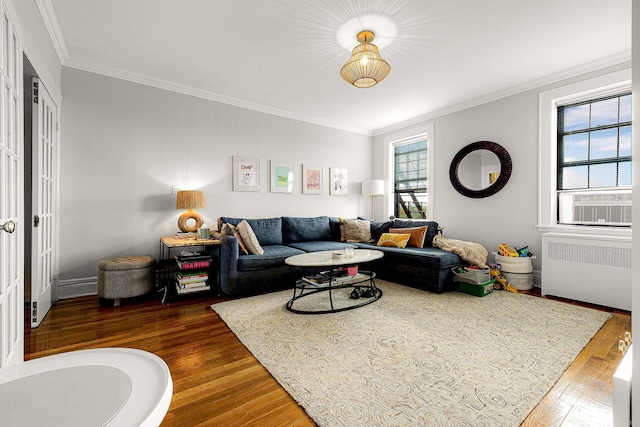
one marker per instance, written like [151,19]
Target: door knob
[9,226]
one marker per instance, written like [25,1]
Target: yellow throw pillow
[394,240]
[417,235]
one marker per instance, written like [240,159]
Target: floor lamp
[373,188]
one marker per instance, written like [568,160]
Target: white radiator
[589,268]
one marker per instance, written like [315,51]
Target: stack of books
[318,280]
[338,276]
[193,262]
[191,282]
[193,273]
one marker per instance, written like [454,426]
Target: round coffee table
[333,271]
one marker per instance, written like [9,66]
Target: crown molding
[613,60]
[51,23]
[30,49]
[211,96]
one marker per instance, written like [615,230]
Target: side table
[210,247]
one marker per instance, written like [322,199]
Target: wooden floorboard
[218,382]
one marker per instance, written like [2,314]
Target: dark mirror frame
[505,169]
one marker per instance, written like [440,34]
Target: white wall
[123,145]
[510,216]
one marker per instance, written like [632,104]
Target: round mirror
[480,169]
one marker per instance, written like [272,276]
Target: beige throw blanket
[471,252]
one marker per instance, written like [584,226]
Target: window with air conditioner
[594,161]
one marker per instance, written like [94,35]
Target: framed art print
[281,177]
[339,182]
[311,179]
[246,174]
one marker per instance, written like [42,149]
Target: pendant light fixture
[366,67]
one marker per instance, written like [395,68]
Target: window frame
[617,160]
[409,135]
[548,101]
[396,193]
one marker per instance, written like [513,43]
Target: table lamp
[373,188]
[190,200]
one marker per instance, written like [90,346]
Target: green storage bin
[478,290]
[475,276]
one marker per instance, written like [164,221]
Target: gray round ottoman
[125,277]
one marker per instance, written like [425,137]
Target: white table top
[325,258]
[98,387]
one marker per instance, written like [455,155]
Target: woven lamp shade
[190,199]
[365,68]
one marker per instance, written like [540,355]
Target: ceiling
[284,56]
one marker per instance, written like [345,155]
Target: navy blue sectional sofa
[427,268]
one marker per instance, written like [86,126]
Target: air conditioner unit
[605,207]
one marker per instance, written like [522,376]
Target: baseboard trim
[73,288]
[537,278]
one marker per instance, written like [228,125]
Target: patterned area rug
[416,358]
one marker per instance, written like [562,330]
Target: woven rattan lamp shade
[190,200]
[365,68]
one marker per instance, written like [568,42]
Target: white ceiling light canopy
[366,67]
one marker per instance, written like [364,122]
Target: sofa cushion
[433,258]
[335,226]
[267,230]
[273,256]
[432,229]
[231,230]
[249,238]
[417,235]
[321,245]
[378,227]
[296,229]
[357,230]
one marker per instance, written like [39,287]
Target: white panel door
[11,198]
[44,166]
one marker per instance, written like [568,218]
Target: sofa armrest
[229,254]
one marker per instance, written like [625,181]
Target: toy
[501,281]
[506,250]
[524,252]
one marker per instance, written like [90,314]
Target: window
[552,217]
[594,161]
[410,179]
[594,143]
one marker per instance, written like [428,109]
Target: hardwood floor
[217,382]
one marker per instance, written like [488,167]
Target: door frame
[46,70]
[43,252]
